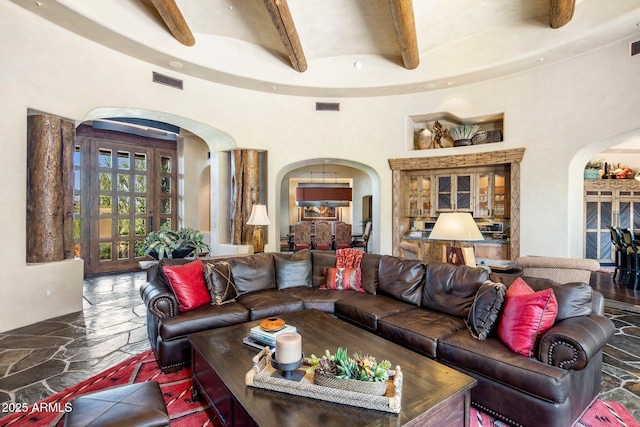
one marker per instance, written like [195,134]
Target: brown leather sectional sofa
[422,307]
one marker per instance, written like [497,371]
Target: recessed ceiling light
[39,4]
[540,59]
[357,65]
[273,87]
[175,64]
[449,83]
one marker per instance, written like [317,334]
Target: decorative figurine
[438,134]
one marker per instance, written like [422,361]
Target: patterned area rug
[184,412]
[600,414]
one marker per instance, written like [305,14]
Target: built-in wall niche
[491,128]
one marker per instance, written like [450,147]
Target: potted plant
[361,373]
[462,134]
[592,169]
[174,244]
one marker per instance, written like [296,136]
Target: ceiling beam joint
[172,17]
[561,12]
[405,24]
[283,21]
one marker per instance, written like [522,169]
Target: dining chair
[632,255]
[302,235]
[619,254]
[324,240]
[363,240]
[343,236]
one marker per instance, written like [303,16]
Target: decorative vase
[591,174]
[461,142]
[423,139]
[376,388]
[176,254]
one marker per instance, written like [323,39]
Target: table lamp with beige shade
[456,227]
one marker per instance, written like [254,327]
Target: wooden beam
[561,12]
[402,12]
[170,13]
[281,18]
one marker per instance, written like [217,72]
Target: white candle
[288,347]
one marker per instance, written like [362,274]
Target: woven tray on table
[263,375]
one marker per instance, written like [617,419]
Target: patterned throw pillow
[217,274]
[485,309]
[342,279]
[348,258]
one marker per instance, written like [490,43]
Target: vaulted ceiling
[336,48]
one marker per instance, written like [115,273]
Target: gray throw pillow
[485,309]
[574,298]
[253,273]
[293,271]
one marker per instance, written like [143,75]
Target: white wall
[555,112]
[194,181]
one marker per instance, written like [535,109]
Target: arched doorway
[366,182]
[181,179]
[576,194]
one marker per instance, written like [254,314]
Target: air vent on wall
[166,80]
[635,48]
[327,106]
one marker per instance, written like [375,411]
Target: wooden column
[245,170]
[50,145]
[514,224]
[396,195]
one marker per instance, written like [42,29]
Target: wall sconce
[258,218]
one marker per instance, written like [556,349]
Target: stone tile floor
[41,359]
[46,357]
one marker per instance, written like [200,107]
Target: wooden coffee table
[432,394]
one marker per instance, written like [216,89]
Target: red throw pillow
[342,279]
[526,315]
[187,283]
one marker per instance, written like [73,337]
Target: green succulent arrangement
[164,242]
[359,367]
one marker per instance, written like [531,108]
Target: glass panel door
[121,195]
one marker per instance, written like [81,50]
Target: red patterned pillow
[348,258]
[343,279]
[187,283]
[526,315]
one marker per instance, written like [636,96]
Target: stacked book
[260,338]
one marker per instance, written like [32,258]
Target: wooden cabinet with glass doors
[492,195]
[419,197]
[454,192]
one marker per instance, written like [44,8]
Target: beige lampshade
[458,226]
[259,216]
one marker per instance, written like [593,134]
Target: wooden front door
[122,191]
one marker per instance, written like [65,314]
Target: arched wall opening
[198,153]
[575,217]
[366,183]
